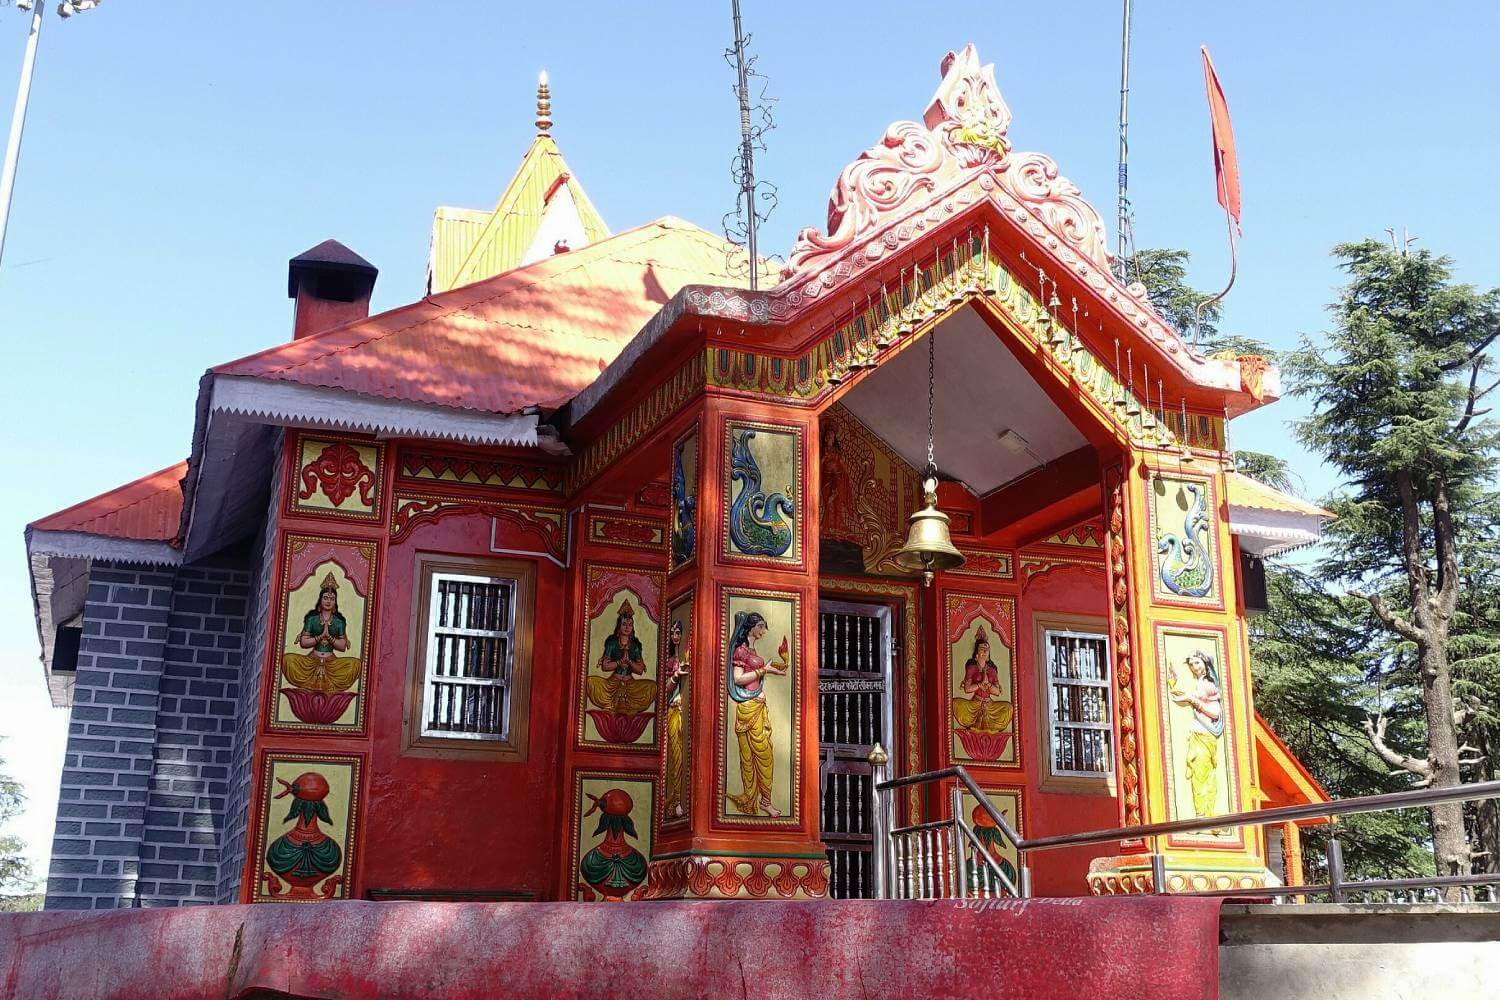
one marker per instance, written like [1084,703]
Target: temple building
[584,577]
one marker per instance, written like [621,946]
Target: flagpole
[1234,260]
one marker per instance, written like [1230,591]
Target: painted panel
[867,492]
[337,478]
[677,713]
[980,643]
[1198,727]
[611,834]
[621,652]
[684,499]
[305,835]
[427,466]
[1184,541]
[1007,801]
[758,748]
[763,469]
[627,532]
[324,632]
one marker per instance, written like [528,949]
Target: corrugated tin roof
[1247,492]
[454,233]
[531,337]
[461,256]
[146,510]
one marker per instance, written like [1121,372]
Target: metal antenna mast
[1123,236]
[755,121]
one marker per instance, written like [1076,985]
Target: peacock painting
[1185,563]
[760,524]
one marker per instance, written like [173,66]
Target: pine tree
[1396,388]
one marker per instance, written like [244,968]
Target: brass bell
[928,547]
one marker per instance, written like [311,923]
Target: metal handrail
[1335,887]
[1280,814]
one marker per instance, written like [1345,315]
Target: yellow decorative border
[1005,601]
[580,703]
[1160,595]
[298,507]
[721,740]
[643,418]
[272,700]
[597,521]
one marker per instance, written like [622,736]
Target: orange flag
[1226,161]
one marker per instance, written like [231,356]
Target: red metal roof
[146,510]
[533,336]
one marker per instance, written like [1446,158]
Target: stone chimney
[332,286]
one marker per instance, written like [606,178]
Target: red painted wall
[471,825]
[1067,589]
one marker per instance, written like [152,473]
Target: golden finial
[543,105]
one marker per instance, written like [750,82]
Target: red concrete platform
[1161,948]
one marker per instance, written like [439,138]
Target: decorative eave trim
[48,553]
[1275,532]
[273,401]
[81,545]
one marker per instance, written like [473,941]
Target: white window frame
[1047,632]
[431,677]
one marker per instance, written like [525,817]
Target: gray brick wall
[111,739]
[241,762]
[145,774]
[195,722]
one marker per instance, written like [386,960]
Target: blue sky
[177,155]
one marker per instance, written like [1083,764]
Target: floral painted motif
[338,472]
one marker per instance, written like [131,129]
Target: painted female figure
[982,709]
[1203,697]
[325,635]
[752,717]
[674,792]
[622,691]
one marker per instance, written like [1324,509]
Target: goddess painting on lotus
[323,668]
[982,717]
[622,696]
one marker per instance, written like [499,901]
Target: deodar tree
[1398,390]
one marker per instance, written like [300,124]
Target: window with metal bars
[470,677]
[1080,716]
[469,647]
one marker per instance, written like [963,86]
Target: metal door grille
[854,665]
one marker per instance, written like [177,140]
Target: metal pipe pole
[18,122]
[1122,223]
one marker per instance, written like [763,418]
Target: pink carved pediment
[915,165]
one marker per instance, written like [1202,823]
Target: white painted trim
[1275,531]
[81,545]
[288,404]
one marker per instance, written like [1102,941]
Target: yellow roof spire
[543,105]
